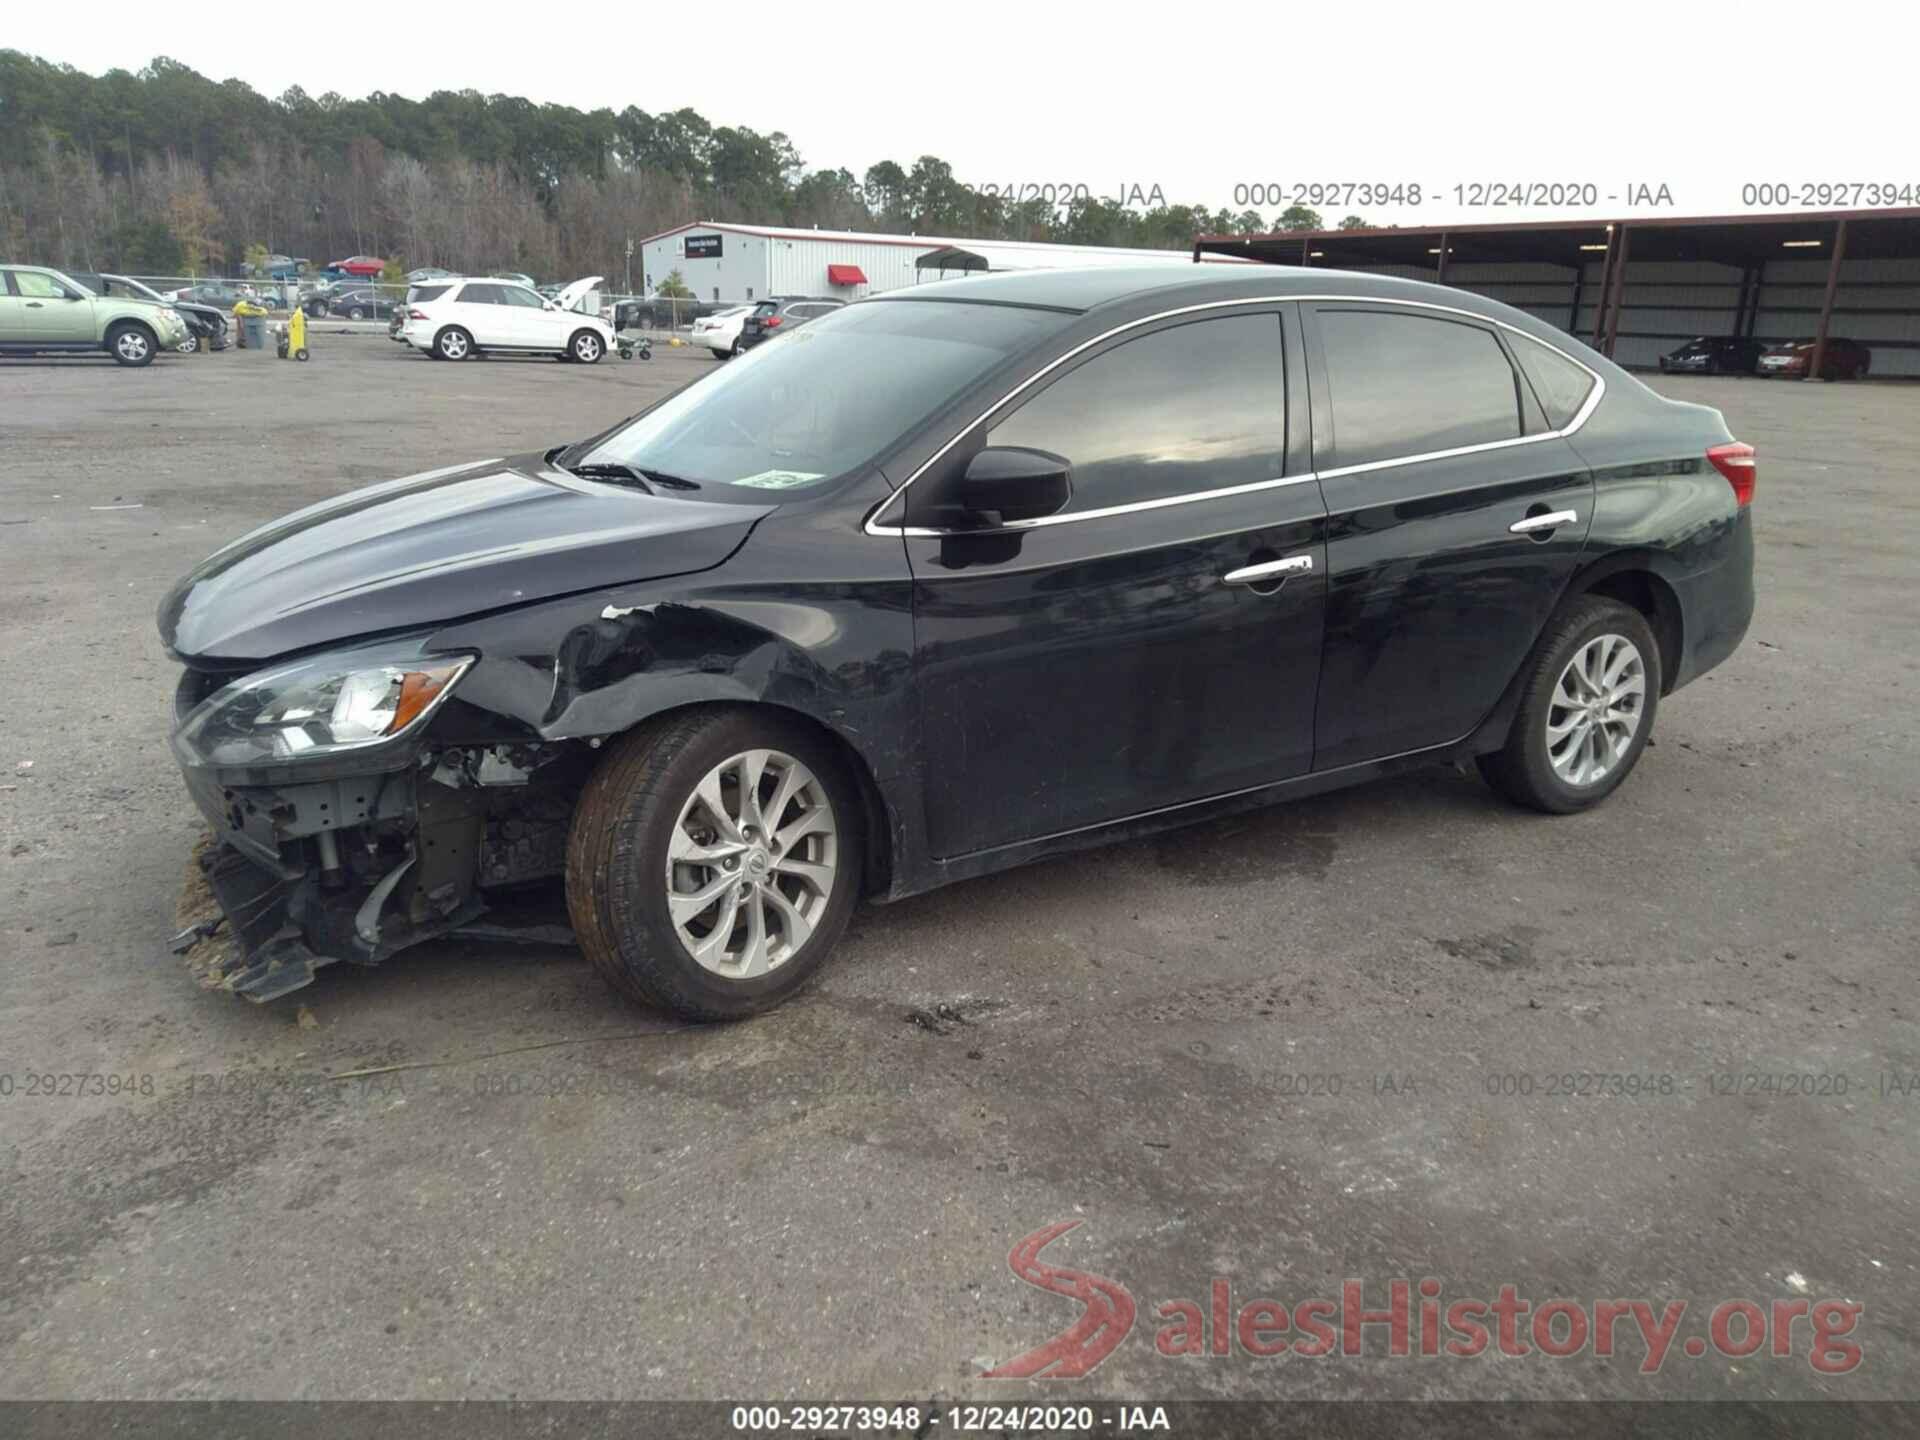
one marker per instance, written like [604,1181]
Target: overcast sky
[1124,98]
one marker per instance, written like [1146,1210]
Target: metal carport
[1641,285]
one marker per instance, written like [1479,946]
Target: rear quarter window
[421,294]
[1561,386]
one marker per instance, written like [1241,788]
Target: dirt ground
[1289,1050]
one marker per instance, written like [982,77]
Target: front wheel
[586,347]
[131,344]
[356,313]
[1591,689]
[713,862]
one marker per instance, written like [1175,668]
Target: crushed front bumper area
[353,869]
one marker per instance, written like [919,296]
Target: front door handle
[1552,520]
[1273,570]
[34,305]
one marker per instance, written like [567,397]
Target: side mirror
[1005,483]
[548,305]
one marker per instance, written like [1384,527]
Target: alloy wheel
[132,346]
[1596,710]
[587,349]
[751,864]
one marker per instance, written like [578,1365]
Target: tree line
[165,171]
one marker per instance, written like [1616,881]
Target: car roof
[1084,288]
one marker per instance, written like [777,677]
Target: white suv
[454,319]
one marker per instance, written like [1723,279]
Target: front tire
[586,348]
[1591,690]
[131,344]
[356,313]
[713,862]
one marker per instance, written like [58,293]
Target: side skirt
[1192,812]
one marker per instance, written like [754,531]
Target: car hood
[572,295]
[444,545]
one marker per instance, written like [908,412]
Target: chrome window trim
[1587,407]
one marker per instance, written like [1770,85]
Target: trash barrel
[256,331]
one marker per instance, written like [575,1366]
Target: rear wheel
[586,347]
[453,343]
[131,344]
[713,862]
[357,313]
[1591,690]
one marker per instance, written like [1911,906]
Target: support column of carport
[1826,304]
[1619,294]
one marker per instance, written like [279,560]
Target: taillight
[771,322]
[1735,461]
[416,314]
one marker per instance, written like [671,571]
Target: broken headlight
[322,706]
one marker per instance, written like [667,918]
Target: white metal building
[734,263]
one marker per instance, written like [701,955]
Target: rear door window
[480,295]
[1403,385]
[1196,407]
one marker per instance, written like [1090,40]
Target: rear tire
[646,810]
[1574,742]
[131,344]
[452,343]
[356,313]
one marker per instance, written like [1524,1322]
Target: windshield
[820,401]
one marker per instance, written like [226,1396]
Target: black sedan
[949,580]
[360,302]
[1714,355]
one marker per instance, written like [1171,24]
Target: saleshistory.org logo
[1415,1322]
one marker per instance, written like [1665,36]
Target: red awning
[846,275]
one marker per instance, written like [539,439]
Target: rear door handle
[1552,520]
[1270,570]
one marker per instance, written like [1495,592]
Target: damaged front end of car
[341,832]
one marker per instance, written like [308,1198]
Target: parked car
[955,578]
[499,317]
[779,315]
[361,302]
[1714,355]
[720,331]
[359,267]
[204,322]
[224,295]
[45,311]
[658,312]
[428,272]
[1844,359]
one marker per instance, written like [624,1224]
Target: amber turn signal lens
[417,689]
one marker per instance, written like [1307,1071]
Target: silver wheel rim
[453,346]
[751,865]
[132,344]
[1597,706]
[587,349]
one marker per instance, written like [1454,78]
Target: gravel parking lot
[1313,1045]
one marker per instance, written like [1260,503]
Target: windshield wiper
[632,474]
[610,470]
